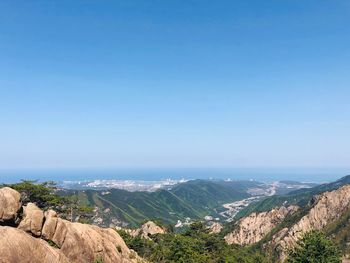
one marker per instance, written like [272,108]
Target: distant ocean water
[153,174]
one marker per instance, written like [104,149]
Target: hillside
[259,237]
[193,199]
[278,230]
[274,236]
[297,197]
[323,187]
[40,235]
[208,194]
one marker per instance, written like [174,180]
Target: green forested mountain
[323,187]
[194,199]
[196,243]
[299,197]
[208,194]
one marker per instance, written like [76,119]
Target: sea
[317,175]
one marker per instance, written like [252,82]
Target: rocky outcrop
[50,225]
[44,237]
[215,228]
[17,246]
[149,229]
[145,231]
[9,204]
[256,226]
[84,243]
[328,207]
[33,219]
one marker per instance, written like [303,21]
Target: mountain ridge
[327,211]
[194,199]
[298,197]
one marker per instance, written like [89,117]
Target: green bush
[43,194]
[195,245]
[314,247]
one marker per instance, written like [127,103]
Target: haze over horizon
[174,84]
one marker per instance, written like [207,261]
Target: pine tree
[314,247]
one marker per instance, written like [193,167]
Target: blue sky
[174,84]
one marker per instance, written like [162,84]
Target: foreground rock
[17,246]
[256,226]
[9,204]
[328,207]
[86,243]
[44,237]
[33,219]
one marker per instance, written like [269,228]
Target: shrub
[314,247]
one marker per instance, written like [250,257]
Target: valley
[206,220]
[178,203]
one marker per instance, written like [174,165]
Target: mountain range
[194,199]
[188,201]
[264,230]
[276,223]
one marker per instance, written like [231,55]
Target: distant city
[147,176]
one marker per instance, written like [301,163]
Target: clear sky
[191,83]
